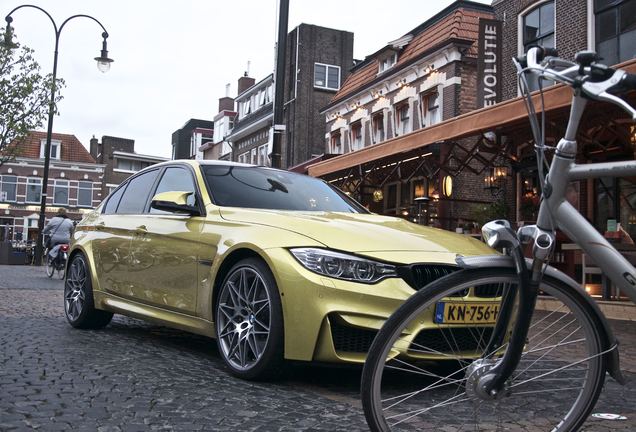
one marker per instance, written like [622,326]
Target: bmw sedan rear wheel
[249,321]
[79,306]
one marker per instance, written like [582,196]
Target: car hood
[382,237]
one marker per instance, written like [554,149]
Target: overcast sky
[173,59]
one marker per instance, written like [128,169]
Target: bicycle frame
[556,212]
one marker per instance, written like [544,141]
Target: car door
[114,231]
[165,248]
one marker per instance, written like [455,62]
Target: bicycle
[470,350]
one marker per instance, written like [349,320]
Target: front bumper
[331,320]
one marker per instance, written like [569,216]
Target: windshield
[266,188]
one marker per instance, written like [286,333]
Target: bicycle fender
[504,261]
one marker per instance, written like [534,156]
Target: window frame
[80,188]
[15,187]
[399,120]
[326,85]
[57,144]
[616,38]
[374,122]
[387,62]
[30,182]
[148,198]
[55,187]
[336,136]
[425,109]
[356,141]
[521,25]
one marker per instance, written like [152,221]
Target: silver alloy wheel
[75,289]
[244,318]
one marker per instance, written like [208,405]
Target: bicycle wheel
[423,366]
[50,265]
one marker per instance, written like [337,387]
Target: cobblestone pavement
[134,376]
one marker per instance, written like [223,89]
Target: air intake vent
[350,339]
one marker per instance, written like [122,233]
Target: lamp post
[103,64]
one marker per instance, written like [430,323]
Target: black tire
[79,306]
[49,266]
[402,392]
[249,321]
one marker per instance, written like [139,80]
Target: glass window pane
[531,26]
[60,192]
[547,19]
[8,188]
[320,75]
[173,180]
[34,190]
[136,195]
[113,200]
[606,25]
[332,79]
[608,51]
[85,194]
[628,16]
[627,45]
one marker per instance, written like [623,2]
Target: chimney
[95,148]
[244,83]
[226,104]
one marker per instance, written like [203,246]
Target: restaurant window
[429,105]
[538,26]
[377,122]
[326,76]
[8,188]
[403,118]
[335,143]
[34,190]
[85,194]
[60,192]
[615,30]
[356,136]
[615,201]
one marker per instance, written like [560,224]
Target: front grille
[351,339]
[452,340]
[424,274]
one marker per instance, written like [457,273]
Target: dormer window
[55,149]
[388,62]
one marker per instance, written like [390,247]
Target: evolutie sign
[489,63]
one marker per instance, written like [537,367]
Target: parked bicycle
[490,360]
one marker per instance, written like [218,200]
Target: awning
[502,115]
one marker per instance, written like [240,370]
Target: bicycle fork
[493,383]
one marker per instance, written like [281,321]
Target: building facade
[415,82]
[75,183]
[186,142]
[119,159]
[219,147]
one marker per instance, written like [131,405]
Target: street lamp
[103,64]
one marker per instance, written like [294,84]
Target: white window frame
[33,181]
[374,131]
[54,144]
[387,62]
[55,186]
[262,155]
[356,142]
[336,149]
[4,195]
[400,127]
[90,190]
[425,114]
[326,85]
[242,158]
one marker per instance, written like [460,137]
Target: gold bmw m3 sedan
[274,265]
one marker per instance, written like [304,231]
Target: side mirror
[174,202]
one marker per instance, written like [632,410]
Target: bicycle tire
[577,371]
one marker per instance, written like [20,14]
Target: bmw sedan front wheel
[249,321]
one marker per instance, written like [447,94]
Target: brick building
[317,61]
[75,181]
[219,147]
[426,76]
[119,159]
[187,140]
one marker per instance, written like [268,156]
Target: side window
[136,194]
[176,179]
[113,200]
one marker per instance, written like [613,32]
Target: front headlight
[342,266]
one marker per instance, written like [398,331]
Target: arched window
[538,26]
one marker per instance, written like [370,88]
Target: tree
[24,98]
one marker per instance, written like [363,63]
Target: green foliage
[24,98]
[483,213]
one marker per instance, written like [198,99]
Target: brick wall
[570,31]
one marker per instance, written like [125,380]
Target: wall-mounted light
[378,195]
[447,186]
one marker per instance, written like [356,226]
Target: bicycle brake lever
[599,91]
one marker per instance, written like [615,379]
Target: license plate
[466,313]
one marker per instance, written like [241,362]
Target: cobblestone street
[134,376]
